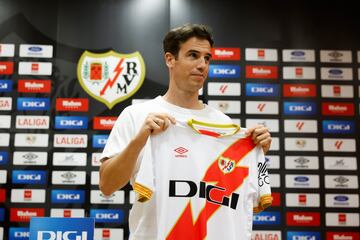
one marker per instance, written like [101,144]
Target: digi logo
[49,228]
[59,235]
[224,71]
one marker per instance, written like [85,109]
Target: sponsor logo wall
[49,147]
[308,100]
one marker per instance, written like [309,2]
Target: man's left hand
[261,135]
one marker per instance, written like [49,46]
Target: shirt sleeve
[264,199]
[144,184]
[120,136]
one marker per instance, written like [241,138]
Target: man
[187,55]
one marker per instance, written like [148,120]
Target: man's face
[189,70]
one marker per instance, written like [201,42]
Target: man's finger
[263,136]
[166,124]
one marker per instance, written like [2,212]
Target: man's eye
[194,55]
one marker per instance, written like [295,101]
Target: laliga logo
[58,235]
[111,77]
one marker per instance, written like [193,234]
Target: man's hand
[157,122]
[261,135]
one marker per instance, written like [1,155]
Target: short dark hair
[177,36]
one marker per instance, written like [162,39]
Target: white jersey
[142,215]
[206,180]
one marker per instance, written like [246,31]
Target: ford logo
[298,53]
[341,198]
[301,179]
[35,49]
[335,71]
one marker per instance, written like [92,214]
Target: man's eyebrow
[193,51]
[196,51]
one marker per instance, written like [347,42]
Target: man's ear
[169,59]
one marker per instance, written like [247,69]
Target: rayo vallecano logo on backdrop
[111,77]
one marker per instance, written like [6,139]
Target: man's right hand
[156,123]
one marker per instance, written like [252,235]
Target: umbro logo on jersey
[181,152]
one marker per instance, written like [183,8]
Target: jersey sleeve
[144,184]
[120,136]
[264,198]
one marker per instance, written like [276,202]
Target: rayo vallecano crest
[111,77]
[226,165]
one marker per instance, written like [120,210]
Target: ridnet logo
[298,72]
[261,53]
[261,106]
[338,144]
[299,125]
[223,88]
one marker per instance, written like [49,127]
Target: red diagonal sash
[185,227]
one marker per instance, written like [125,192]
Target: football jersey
[207,179]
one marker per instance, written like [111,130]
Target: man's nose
[202,63]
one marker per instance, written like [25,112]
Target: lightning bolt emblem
[118,69]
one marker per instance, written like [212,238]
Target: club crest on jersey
[111,77]
[226,165]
